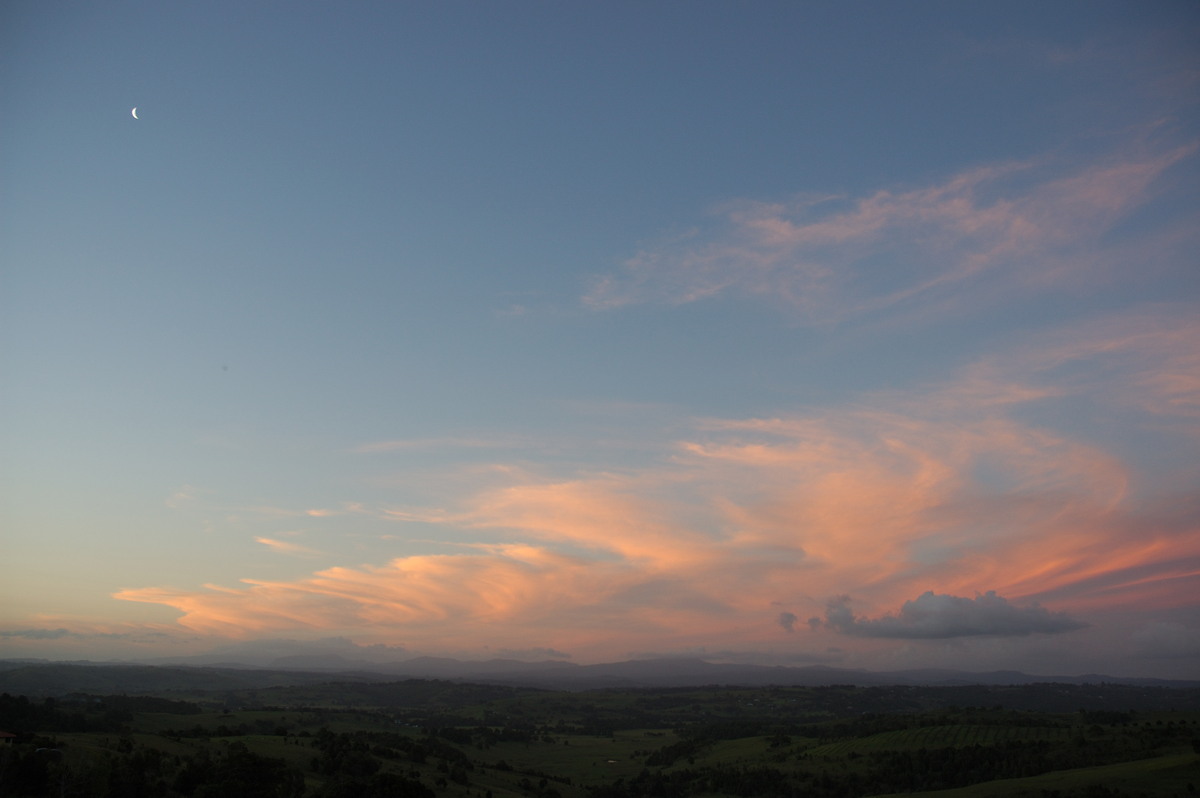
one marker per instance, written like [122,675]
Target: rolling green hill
[423,738]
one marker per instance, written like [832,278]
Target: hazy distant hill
[55,678]
[696,672]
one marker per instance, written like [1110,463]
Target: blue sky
[606,329]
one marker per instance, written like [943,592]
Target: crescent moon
[134,112]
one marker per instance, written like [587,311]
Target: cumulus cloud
[787,620]
[932,616]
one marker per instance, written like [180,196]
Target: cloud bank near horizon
[745,525]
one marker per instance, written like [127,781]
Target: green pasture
[735,752]
[1176,774]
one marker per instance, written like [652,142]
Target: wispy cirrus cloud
[420,444]
[139,636]
[183,497]
[84,632]
[1147,359]
[287,547]
[1032,225]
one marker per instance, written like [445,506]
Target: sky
[853,334]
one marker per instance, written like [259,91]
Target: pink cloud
[1035,225]
[952,489]
[284,547]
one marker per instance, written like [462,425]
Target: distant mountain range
[34,677]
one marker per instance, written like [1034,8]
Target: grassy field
[1173,775]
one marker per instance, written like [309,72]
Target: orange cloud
[506,592]
[605,513]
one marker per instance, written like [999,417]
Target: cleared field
[941,737]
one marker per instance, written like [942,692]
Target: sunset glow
[464,341]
